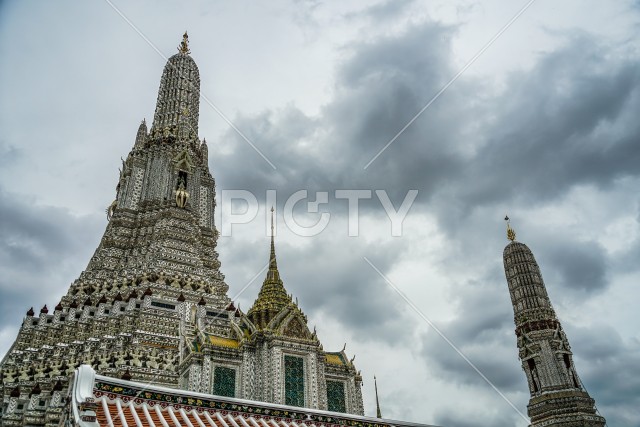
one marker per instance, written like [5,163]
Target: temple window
[163,305]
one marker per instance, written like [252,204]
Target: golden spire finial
[511,234]
[184,44]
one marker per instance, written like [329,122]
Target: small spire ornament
[511,234]
[184,44]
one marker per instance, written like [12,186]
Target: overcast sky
[543,126]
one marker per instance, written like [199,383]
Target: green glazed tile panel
[294,381]
[335,396]
[224,381]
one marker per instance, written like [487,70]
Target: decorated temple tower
[272,356]
[558,397]
[152,304]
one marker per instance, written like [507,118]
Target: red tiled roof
[104,401]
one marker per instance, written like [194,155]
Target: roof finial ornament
[184,44]
[511,234]
[378,412]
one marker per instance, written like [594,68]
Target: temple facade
[152,304]
[558,397]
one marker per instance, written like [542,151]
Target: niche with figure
[184,166]
[535,379]
[182,195]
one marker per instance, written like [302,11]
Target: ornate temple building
[148,336]
[152,304]
[558,397]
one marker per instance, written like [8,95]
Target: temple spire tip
[378,412]
[184,44]
[511,234]
[272,210]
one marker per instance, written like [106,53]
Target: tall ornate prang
[151,282]
[152,304]
[558,397]
[162,218]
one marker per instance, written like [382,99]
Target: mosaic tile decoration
[294,381]
[224,381]
[335,396]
